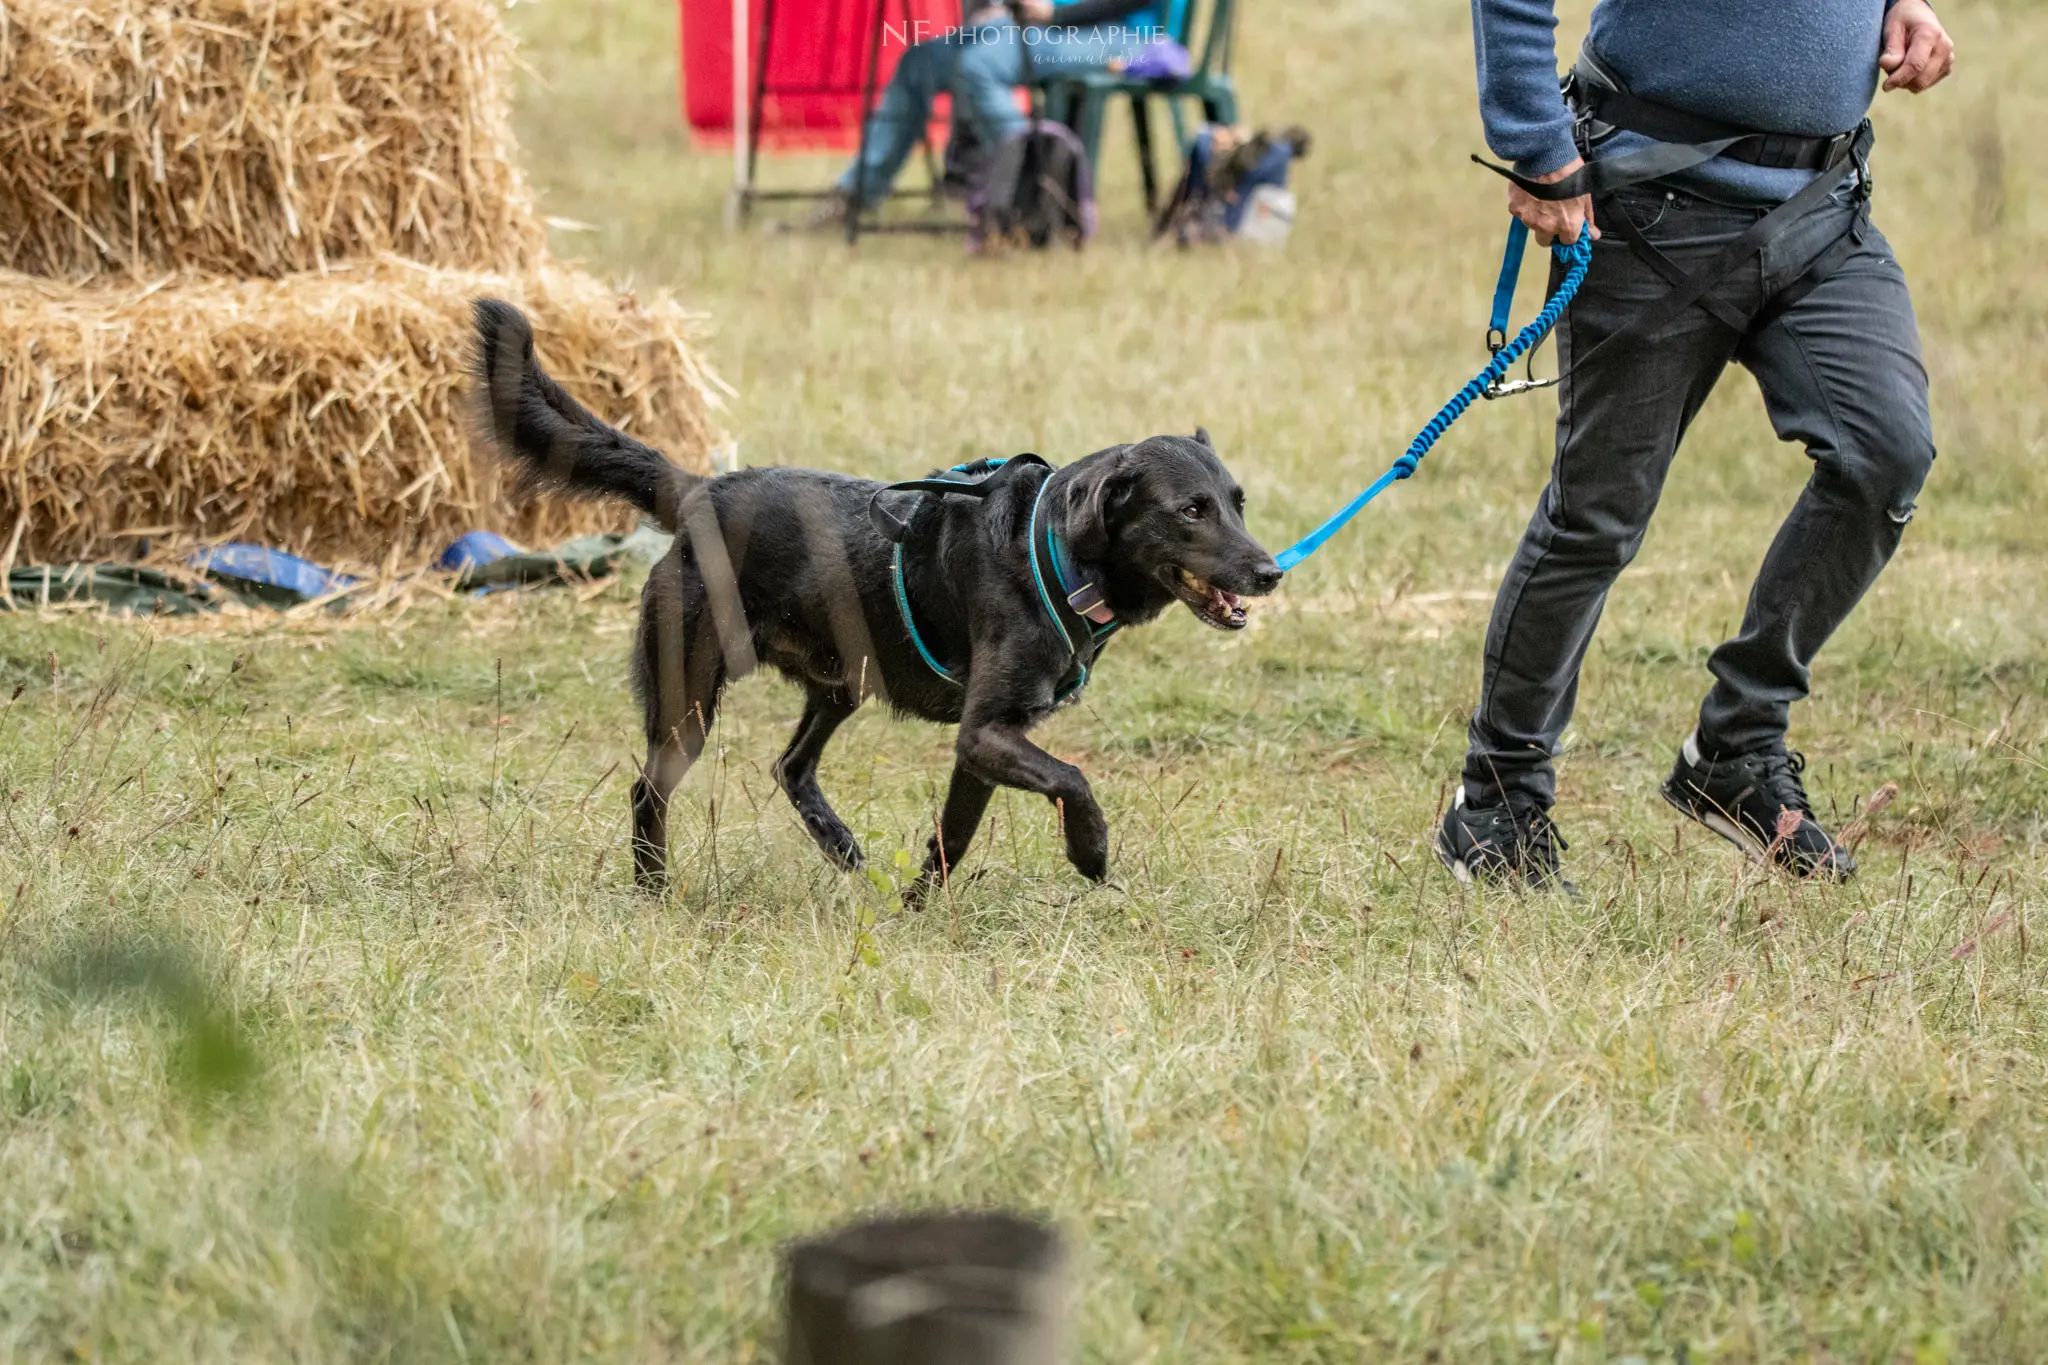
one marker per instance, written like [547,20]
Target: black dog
[972,617]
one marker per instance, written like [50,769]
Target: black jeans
[1840,371]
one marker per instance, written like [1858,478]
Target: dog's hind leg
[796,772]
[680,670]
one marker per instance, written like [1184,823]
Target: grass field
[331,1028]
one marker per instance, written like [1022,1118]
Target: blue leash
[1504,288]
[1577,257]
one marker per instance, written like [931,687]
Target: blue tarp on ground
[256,575]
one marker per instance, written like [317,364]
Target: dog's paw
[836,842]
[1088,847]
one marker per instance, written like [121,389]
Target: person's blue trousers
[980,66]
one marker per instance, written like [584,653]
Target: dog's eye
[1192,512]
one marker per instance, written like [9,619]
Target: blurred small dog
[792,568]
[1227,165]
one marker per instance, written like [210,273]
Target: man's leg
[1840,372]
[1619,423]
[983,82]
[899,121]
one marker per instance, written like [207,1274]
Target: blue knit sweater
[1784,66]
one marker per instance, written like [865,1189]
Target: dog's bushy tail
[556,441]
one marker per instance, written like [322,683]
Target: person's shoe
[1757,802]
[1514,843]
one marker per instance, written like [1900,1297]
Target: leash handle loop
[1608,174]
[1504,290]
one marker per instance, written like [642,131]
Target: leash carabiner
[1514,386]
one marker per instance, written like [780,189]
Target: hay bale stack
[249,232]
[321,414]
[256,137]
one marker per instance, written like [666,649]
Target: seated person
[980,63]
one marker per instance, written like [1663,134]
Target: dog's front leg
[1001,752]
[966,802]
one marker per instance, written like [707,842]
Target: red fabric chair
[816,70]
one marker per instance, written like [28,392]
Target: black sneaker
[1513,843]
[1757,802]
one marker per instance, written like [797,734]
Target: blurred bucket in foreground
[929,1289]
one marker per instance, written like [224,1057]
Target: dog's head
[1161,521]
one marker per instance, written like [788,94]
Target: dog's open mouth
[1211,604]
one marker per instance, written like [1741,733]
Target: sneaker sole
[1451,860]
[1752,847]
[1557,886]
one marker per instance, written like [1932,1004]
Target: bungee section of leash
[1577,257]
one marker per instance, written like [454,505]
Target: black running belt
[1661,159]
[1779,151]
[1695,286]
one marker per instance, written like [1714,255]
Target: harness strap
[1776,151]
[1672,272]
[1682,141]
[1085,604]
[1809,279]
[1654,162]
[1823,266]
[1679,140]
[910,621]
[1083,631]
[894,528]
[1695,286]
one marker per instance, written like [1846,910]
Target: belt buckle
[1834,149]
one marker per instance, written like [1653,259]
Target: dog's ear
[1202,438]
[1096,501]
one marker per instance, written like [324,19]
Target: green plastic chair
[1081,101]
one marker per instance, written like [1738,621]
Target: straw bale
[322,414]
[255,137]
